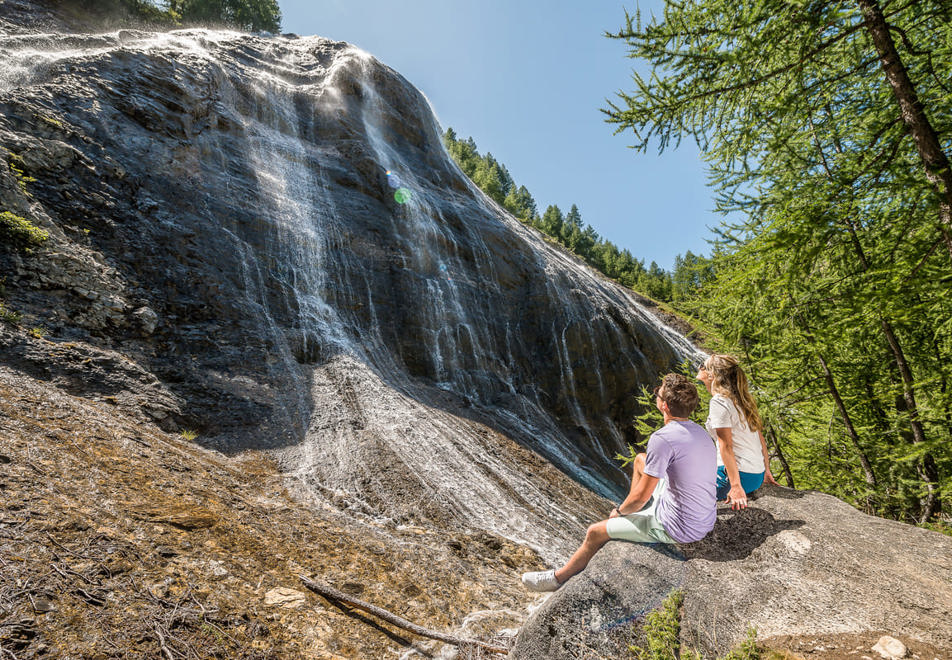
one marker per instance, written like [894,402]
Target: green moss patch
[19,230]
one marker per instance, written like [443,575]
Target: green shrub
[21,231]
[52,121]
[19,174]
[662,631]
[7,315]
[748,650]
[938,526]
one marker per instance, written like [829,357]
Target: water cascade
[330,287]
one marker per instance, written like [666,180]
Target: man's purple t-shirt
[683,454]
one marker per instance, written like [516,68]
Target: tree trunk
[927,469]
[841,407]
[913,115]
[879,415]
[783,459]
[847,420]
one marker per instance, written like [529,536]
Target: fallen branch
[165,648]
[334,594]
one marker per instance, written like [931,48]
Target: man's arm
[638,496]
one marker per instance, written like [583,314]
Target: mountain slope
[220,213]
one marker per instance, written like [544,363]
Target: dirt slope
[118,539]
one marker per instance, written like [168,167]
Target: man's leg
[595,538]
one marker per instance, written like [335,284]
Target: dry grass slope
[117,539]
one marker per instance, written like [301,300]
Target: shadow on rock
[780,492]
[737,534]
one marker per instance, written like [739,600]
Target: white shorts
[640,527]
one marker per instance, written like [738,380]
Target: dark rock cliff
[223,229]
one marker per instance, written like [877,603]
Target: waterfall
[416,356]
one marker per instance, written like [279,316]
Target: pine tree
[552,221]
[826,127]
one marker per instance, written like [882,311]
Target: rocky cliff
[270,236]
[261,241]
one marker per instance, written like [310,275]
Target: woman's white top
[723,414]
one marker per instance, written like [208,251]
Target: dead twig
[165,649]
[221,630]
[109,642]
[71,572]
[90,598]
[64,548]
[7,652]
[390,617]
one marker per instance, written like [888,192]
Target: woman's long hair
[729,380]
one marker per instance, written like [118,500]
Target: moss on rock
[20,231]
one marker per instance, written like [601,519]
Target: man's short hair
[680,393]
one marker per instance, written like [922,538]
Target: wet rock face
[220,212]
[24,16]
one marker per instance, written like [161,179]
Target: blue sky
[526,80]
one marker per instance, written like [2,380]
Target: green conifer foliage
[827,130]
[253,15]
[568,229]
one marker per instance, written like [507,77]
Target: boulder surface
[793,563]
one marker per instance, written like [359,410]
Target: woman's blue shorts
[751,481]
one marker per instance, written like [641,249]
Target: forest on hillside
[568,230]
[252,15]
[827,127]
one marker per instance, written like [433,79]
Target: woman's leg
[749,481]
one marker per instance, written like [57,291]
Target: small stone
[43,605]
[147,318]
[159,590]
[284,597]
[890,648]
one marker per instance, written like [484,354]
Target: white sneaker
[541,581]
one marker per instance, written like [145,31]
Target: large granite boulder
[794,563]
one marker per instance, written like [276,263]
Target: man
[679,468]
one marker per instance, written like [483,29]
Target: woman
[733,421]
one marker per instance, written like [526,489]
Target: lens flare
[402,195]
[393,180]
